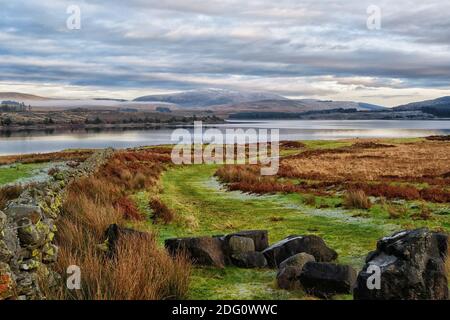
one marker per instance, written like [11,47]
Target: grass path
[203,207]
[12,173]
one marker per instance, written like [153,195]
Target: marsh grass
[140,268]
[396,212]
[356,199]
[161,213]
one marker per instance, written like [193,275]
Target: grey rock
[259,237]
[412,267]
[202,250]
[288,278]
[239,245]
[298,260]
[292,245]
[20,211]
[28,234]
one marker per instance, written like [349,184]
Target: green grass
[204,208]
[9,174]
[326,144]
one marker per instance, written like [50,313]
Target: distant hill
[110,99]
[439,102]
[303,105]
[210,97]
[17,96]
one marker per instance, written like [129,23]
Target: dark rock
[249,260]
[327,279]
[202,250]
[412,267]
[292,245]
[259,237]
[288,278]
[298,260]
[114,234]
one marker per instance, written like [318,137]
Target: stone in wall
[27,232]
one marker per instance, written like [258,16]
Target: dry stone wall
[27,232]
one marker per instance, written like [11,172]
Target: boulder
[206,251]
[20,211]
[288,278]
[324,279]
[298,260]
[292,245]
[411,266]
[259,237]
[49,253]
[115,233]
[239,245]
[28,234]
[253,259]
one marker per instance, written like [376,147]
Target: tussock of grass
[140,268]
[310,200]
[396,212]
[357,199]
[161,213]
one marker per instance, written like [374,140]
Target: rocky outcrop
[27,231]
[411,266]
[324,280]
[241,249]
[292,245]
[206,251]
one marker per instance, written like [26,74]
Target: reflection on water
[47,141]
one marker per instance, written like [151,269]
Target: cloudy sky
[303,48]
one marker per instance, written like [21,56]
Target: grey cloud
[149,44]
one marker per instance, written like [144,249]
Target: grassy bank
[10,174]
[204,207]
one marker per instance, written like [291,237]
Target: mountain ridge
[438,102]
[210,97]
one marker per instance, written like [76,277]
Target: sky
[319,49]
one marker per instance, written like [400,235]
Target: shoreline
[5,130]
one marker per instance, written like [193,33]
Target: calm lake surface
[21,143]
